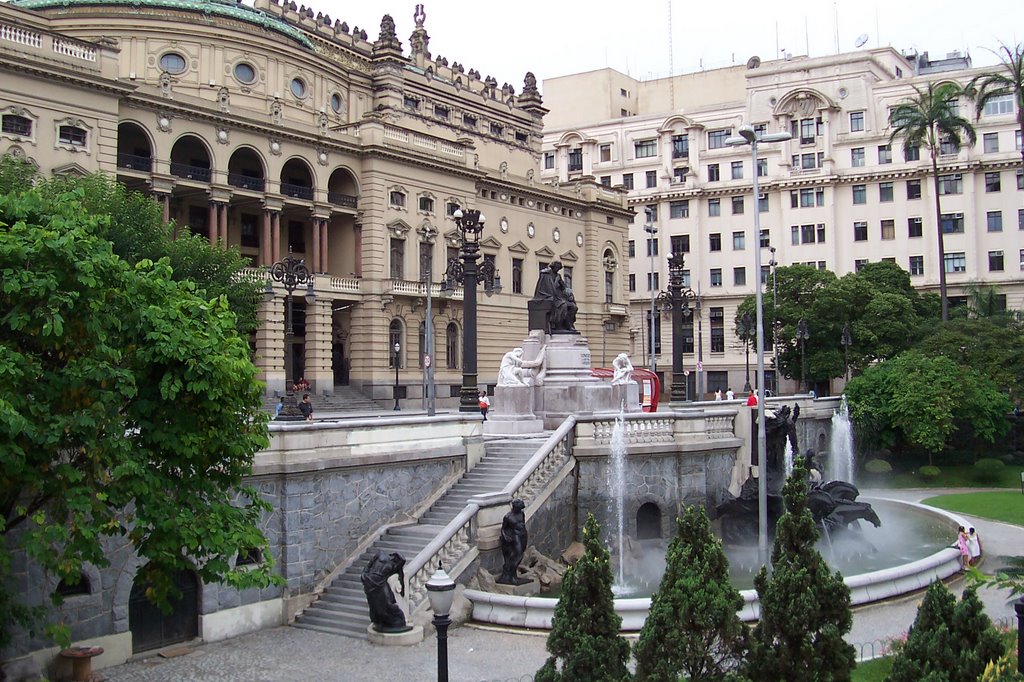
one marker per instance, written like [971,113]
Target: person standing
[973,546]
[306,407]
[729,395]
[485,404]
[752,399]
[278,408]
[961,544]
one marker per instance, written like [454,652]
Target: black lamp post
[398,350]
[746,330]
[468,274]
[292,273]
[677,299]
[441,593]
[846,340]
[802,335]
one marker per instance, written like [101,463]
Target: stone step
[343,628]
[347,603]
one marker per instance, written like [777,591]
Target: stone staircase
[345,399]
[342,609]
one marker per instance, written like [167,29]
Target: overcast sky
[559,37]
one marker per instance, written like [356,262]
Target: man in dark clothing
[306,407]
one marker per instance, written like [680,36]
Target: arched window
[609,276]
[452,345]
[394,336]
[423,341]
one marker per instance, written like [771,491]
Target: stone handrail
[444,550]
[345,284]
[21,36]
[639,428]
[548,459]
[70,48]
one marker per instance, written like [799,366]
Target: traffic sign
[700,366]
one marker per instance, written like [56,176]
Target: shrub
[988,470]
[929,472]
[1003,670]
[878,466]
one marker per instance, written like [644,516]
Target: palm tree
[928,119]
[1009,80]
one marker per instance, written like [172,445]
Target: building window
[994,221]
[913,189]
[916,265]
[679,173]
[807,234]
[739,277]
[716,277]
[739,241]
[396,198]
[680,243]
[679,209]
[1017,140]
[737,205]
[993,182]
[860,231]
[627,180]
[948,147]
[651,178]
[652,247]
[1020,179]
[860,194]
[951,184]
[807,198]
[517,275]
[13,124]
[72,135]
[632,248]
[632,281]
[888,229]
[1002,104]
[716,138]
[952,223]
[575,159]
[713,174]
[1020,218]
[714,207]
[680,146]
[737,170]
[470,122]
[762,203]
[995,261]
[645,149]
[884,154]
[807,129]
[885,191]
[651,213]
[859,264]
[605,152]
[794,235]
[765,239]
[397,259]
[609,283]
[856,121]
[955,262]
[549,160]
[652,281]
[410,103]
[990,142]
[606,180]
[912,153]
[497,129]
[451,345]
[715,241]
[337,103]
[172,62]
[426,204]
[245,73]
[717,316]
[914,228]
[857,157]
[762,168]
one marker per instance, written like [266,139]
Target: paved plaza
[478,654]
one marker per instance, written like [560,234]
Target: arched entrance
[648,521]
[151,628]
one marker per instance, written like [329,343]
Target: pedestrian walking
[485,404]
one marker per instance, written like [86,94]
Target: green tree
[1007,80]
[949,641]
[585,644]
[129,408]
[805,607]
[136,230]
[930,119]
[693,628]
[918,401]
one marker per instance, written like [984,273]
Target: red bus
[650,386]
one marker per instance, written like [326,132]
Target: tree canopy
[129,407]
[1006,79]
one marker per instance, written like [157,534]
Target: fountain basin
[538,612]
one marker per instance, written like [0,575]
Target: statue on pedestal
[553,306]
[515,371]
[513,543]
[623,369]
[385,613]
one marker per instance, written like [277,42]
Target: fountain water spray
[840,452]
[617,486]
[788,457]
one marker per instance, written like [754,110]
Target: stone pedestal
[511,412]
[528,589]
[407,638]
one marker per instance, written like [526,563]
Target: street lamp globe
[441,593]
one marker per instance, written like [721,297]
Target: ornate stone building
[835,196]
[274,130]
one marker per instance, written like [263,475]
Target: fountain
[617,484]
[840,463]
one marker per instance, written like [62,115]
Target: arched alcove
[648,521]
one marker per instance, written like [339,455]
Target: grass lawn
[1000,506]
[950,476]
[872,671]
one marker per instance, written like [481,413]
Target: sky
[559,37]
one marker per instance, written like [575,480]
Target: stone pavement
[478,654]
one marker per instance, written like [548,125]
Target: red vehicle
[650,385]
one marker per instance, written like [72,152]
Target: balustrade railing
[548,460]
[184,170]
[345,284]
[246,182]
[21,36]
[339,199]
[297,191]
[134,162]
[69,48]
[450,545]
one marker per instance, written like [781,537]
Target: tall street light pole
[428,323]
[292,273]
[746,329]
[677,299]
[652,229]
[773,264]
[398,350]
[802,334]
[748,136]
[847,341]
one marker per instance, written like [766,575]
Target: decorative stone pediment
[545,252]
[803,102]
[490,243]
[519,247]
[569,256]
[71,169]
[398,228]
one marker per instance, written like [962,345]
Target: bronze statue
[553,306]
[513,543]
[385,613]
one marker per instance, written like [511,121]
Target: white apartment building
[836,196]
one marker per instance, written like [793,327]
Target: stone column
[265,247]
[165,203]
[211,223]
[358,229]
[314,265]
[325,261]
[275,237]
[223,229]
[270,344]
[319,369]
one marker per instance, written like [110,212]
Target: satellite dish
[861,39]
[754,62]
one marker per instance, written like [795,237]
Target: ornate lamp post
[677,299]
[774,264]
[292,273]
[468,274]
[745,330]
[801,336]
[428,324]
[652,229]
[441,593]
[846,340]
[398,350]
